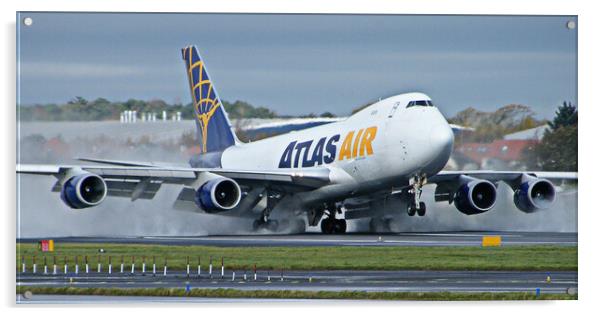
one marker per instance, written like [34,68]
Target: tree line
[101,109]
[558,148]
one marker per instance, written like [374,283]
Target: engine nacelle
[534,194]
[84,190]
[217,195]
[475,197]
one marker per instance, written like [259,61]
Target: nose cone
[442,137]
[441,142]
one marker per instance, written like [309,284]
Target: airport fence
[91,265]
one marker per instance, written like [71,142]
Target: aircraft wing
[447,183]
[144,181]
[125,163]
[501,175]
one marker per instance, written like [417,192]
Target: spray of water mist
[43,214]
[560,217]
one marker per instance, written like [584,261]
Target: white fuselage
[381,146]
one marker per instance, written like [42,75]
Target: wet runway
[315,239]
[390,281]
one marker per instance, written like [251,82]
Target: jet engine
[475,196]
[533,194]
[218,194]
[84,190]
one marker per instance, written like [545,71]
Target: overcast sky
[296,64]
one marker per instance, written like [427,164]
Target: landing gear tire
[327,226]
[411,210]
[271,225]
[330,224]
[422,210]
[340,226]
[333,226]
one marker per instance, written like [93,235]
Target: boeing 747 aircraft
[385,153]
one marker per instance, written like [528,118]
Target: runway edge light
[492,241]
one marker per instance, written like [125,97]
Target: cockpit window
[420,103]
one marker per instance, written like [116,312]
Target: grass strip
[509,258]
[286,294]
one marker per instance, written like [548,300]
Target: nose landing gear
[330,224]
[420,210]
[415,191]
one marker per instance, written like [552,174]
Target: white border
[589,27]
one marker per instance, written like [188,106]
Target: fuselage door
[393,109]
[397,145]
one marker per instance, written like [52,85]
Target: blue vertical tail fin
[215,130]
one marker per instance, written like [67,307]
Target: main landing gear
[415,191]
[330,224]
[264,222]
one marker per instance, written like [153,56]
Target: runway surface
[401,239]
[371,281]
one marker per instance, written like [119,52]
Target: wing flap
[142,172]
[132,189]
[185,200]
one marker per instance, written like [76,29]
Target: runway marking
[266,239]
[477,240]
[476,235]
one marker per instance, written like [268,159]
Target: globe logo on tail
[204,97]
